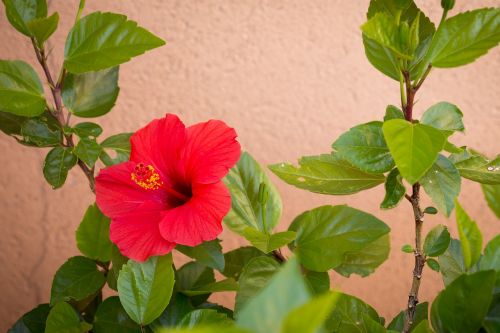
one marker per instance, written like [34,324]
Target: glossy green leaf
[492,196]
[433,264]
[205,329]
[86,130]
[103,40]
[237,259]
[43,28]
[394,190]
[57,164]
[77,279]
[309,317]
[117,262]
[21,92]
[423,327]
[249,209]
[284,292]
[349,315]
[393,112]
[193,275]
[318,282]
[381,57]
[11,124]
[326,174]
[451,262]
[88,150]
[407,248]
[207,253]
[463,304]
[37,132]
[145,288]
[92,236]
[268,242]
[480,169]
[444,116]
[254,277]
[421,313]
[327,235]
[112,318]
[119,146]
[430,210]
[64,319]
[471,238]
[20,12]
[414,147]
[178,307]
[364,147]
[442,183]
[203,317]
[91,94]
[213,287]
[465,37]
[491,258]
[32,321]
[437,241]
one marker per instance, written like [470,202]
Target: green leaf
[193,275]
[254,277]
[43,28]
[77,279]
[103,40]
[268,243]
[56,166]
[462,305]
[423,327]
[433,264]
[421,313]
[64,319]
[479,169]
[393,112]
[237,259]
[203,317]
[381,57]
[318,282]
[437,241]
[364,147]
[213,287]
[444,116]
[21,92]
[442,184]
[178,307]
[112,318]
[407,248]
[11,124]
[37,132]
[207,253]
[117,261]
[91,94]
[205,329]
[119,144]
[285,292]
[451,262]
[326,174]
[249,209]
[465,37]
[92,236]
[491,258]
[349,315]
[87,129]
[394,190]
[88,150]
[492,196]
[32,321]
[365,261]
[309,317]
[414,147]
[326,235]
[20,12]
[430,210]
[145,288]
[470,237]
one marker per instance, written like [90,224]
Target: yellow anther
[146,177]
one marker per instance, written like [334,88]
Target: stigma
[146,177]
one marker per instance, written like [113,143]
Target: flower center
[146,177]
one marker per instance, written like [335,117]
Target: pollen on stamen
[146,177]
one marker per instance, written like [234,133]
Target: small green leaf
[407,248]
[21,91]
[451,148]
[451,262]
[92,236]
[268,242]
[91,94]
[237,259]
[414,147]
[364,147]
[204,329]
[423,327]
[470,237]
[433,264]
[349,314]
[20,12]
[64,319]
[87,129]
[37,132]
[56,166]
[213,287]
[207,253]
[326,174]
[318,282]
[327,234]
[394,190]
[444,116]
[437,241]
[204,317]
[88,150]
[491,258]
[77,279]
[112,318]
[178,307]
[430,210]
[118,144]
[492,196]
[193,275]
[145,288]
[478,168]
[393,112]
[103,40]
[32,321]
[11,124]
[463,304]
[43,28]
[421,313]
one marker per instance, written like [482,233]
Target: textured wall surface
[289,75]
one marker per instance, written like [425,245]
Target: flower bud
[447,4]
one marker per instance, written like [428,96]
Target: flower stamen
[146,177]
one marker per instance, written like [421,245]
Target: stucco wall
[289,75]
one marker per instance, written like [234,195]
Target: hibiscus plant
[168,187]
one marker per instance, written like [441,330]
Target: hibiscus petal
[137,234]
[199,219]
[117,194]
[211,150]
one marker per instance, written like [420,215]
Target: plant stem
[58,112]
[81,6]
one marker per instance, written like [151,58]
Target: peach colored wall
[289,75]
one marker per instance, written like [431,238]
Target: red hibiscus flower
[170,191]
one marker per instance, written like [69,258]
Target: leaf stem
[81,6]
